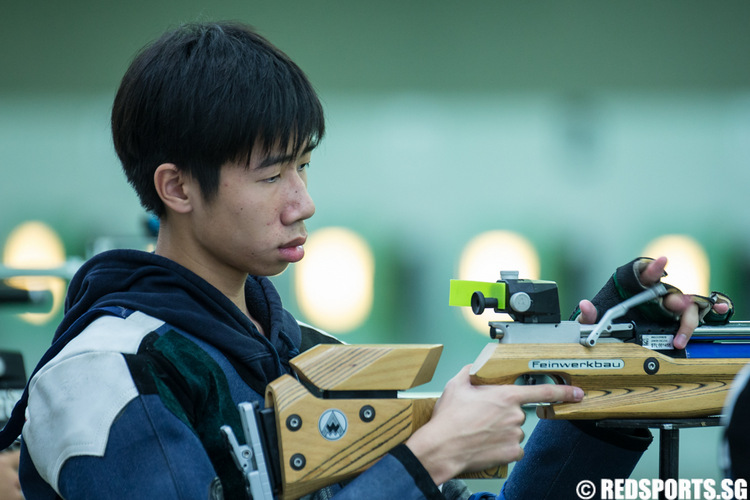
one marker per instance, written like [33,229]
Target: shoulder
[82,390]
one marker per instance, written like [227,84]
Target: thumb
[588,312]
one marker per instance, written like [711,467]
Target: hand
[476,427]
[10,487]
[678,303]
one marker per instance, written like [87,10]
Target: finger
[548,393]
[688,323]
[654,271]
[721,308]
[678,302]
[462,377]
[588,312]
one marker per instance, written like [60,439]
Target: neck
[230,282]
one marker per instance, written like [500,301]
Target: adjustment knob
[520,302]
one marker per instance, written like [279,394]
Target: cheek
[271,220]
[257,217]
[270,215]
[252,210]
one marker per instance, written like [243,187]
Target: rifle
[626,370]
[345,410]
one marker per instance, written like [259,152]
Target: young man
[215,128]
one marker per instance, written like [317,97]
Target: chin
[274,271]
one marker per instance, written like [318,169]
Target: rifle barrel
[739,329]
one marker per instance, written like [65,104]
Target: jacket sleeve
[165,460]
[397,475]
[560,454]
[101,425]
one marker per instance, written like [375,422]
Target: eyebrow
[272,159]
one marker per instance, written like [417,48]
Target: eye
[271,180]
[303,166]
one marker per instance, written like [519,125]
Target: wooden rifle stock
[355,418]
[620,380]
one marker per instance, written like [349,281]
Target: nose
[300,205]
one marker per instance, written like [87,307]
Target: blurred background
[561,139]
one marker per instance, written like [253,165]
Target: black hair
[205,94]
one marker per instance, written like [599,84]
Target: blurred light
[34,245]
[104,243]
[688,267]
[485,256]
[334,283]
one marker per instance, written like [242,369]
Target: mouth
[297,242]
[294,250]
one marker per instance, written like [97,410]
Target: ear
[174,187]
